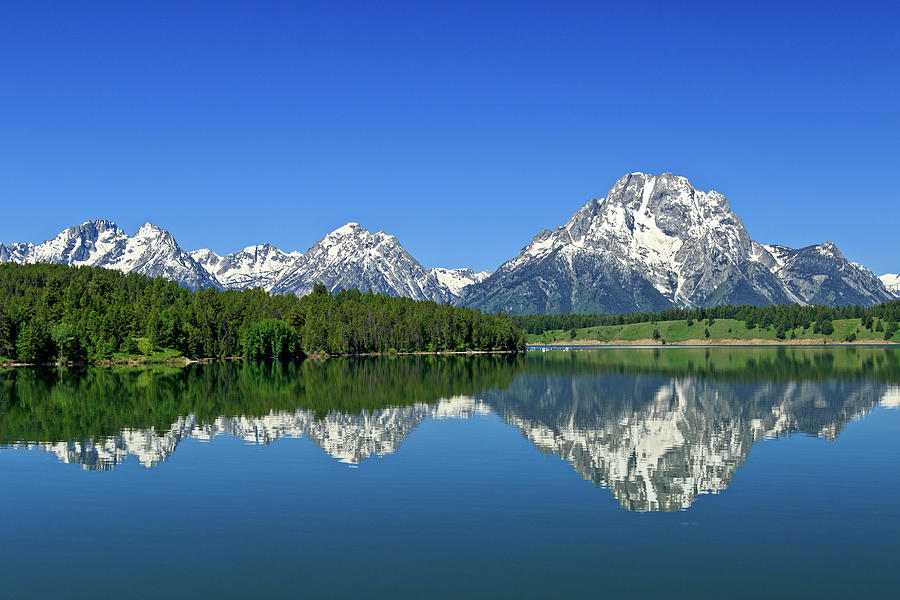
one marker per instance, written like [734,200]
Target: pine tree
[5,333]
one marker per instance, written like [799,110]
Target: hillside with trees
[52,312]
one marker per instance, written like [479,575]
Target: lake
[740,472]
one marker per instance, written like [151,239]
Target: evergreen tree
[33,344]
[68,344]
[5,335]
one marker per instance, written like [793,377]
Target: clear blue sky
[463,129]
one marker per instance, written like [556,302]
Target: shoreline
[183,361]
[720,342]
[418,353]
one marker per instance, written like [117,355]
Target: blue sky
[463,129]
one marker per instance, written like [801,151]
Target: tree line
[82,314]
[879,318]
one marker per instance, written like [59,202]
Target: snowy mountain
[458,281]
[892,282]
[153,251]
[14,252]
[150,251]
[254,266]
[820,274]
[82,244]
[656,242]
[352,257]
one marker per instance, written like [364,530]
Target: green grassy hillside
[721,331]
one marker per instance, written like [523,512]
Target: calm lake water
[748,473]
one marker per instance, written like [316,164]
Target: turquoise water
[635,473]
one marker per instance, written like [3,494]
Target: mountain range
[654,242]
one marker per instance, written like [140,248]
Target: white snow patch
[892,282]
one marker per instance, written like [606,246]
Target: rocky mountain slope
[820,274]
[254,266]
[656,242]
[352,257]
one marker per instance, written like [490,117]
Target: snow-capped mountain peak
[352,257]
[820,274]
[892,282]
[255,266]
[351,228]
[830,250]
[78,245]
[205,257]
[457,281]
[656,242]
[653,242]
[151,251]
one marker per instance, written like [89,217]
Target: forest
[52,312]
[881,318]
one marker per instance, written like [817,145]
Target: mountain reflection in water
[657,428]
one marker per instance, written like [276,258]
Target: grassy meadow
[721,331]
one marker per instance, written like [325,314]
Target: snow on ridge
[779,253]
[457,280]
[892,282]
[205,255]
[151,251]
[352,257]
[258,265]
[828,249]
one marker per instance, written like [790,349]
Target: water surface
[620,472]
